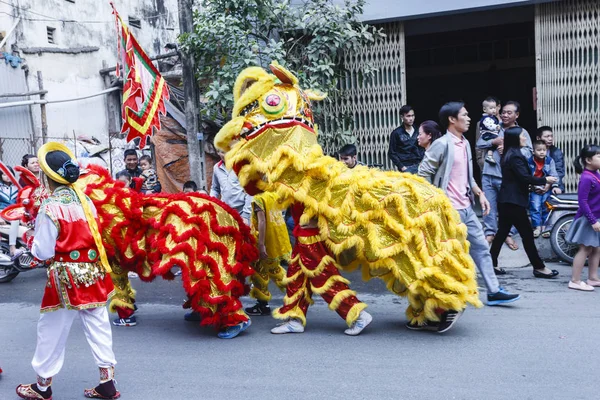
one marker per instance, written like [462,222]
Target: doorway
[470,65]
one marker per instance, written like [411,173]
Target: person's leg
[503,230]
[297,298]
[521,222]
[96,326]
[490,221]
[479,249]
[535,212]
[544,209]
[52,333]
[579,263]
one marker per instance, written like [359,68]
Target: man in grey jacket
[448,164]
[226,186]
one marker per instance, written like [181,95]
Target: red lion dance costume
[150,234]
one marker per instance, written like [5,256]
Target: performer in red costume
[66,237]
[313,270]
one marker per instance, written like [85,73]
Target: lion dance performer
[274,248]
[67,239]
[395,226]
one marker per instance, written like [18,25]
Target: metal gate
[567,68]
[374,104]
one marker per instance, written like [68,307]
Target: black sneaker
[259,309]
[131,321]
[501,297]
[449,318]
[427,326]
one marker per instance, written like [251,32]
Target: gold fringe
[339,297]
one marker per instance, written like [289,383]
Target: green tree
[308,37]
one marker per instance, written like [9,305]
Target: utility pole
[190,93]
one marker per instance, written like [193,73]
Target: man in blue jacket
[545,133]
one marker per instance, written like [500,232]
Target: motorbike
[23,261]
[562,209]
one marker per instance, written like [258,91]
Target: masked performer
[67,238]
[394,226]
[274,248]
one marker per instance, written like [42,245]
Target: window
[135,22]
[50,33]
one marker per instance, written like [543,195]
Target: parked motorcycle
[11,267]
[563,208]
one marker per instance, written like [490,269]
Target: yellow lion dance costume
[392,225]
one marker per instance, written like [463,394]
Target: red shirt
[539,167]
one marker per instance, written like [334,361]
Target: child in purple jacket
[585,229]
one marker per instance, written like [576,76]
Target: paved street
[540,348]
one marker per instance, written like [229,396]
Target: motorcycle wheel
[7,274]
[565,251]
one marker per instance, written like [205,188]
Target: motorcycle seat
[567,196]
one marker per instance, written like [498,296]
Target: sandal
[28,392]
[511,244]
[552,275]
[99,391]
[536,232]
[546,234]
[499,271]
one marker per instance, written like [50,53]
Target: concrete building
[543,54]
[69,42]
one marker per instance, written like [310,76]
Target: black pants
[510,215]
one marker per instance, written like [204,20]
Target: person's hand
[596,226]
[498,141]
[485,204]
[539,190]
[551,179]
[500,149]
[403,169]
[556,190]
[262,251]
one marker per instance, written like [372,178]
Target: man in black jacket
[404,151]
[545,134]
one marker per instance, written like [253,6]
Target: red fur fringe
[144,230]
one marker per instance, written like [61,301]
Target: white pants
[52,332]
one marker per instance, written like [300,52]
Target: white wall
[67,75]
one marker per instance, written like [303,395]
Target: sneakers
[501,297]
[364,319]
[133,275]
[290,326]
[490,159]
[260,308]
[447,321]
[581,286]
[449,318]
[131,321]
[192,316]
[232,331]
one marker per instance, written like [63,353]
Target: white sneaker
[581,286]
[364,319]
[290,326]
[133,275]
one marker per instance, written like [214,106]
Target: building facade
[543,54]
[69,42]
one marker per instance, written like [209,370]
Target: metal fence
[12,150]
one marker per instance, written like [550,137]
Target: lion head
[272,115]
